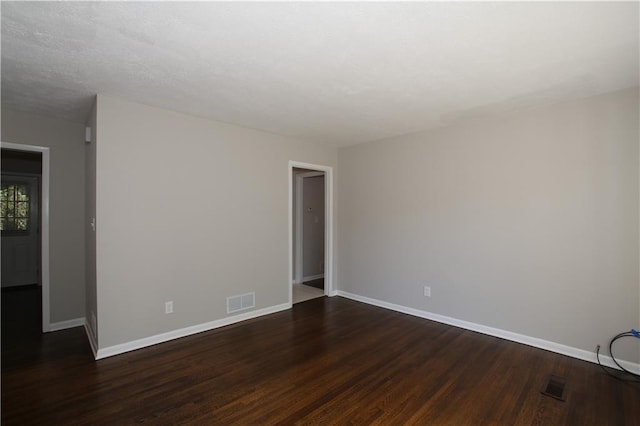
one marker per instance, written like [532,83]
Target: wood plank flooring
[326,361]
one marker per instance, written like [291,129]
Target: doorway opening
[310,225]
[24,221]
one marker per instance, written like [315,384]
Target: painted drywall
[191,211]
[313,226]
[66,143]
[91,302]
[526,223]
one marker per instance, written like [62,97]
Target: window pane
[9,224]
[10,209]
[14,209]
[22,209]
[22,193]
[22,224]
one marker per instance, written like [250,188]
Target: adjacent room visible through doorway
[308,234]
[26,161]
[21,244]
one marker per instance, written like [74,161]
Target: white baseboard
[63,325]
[312,277]
[92,339]
[496,332]
[183,332]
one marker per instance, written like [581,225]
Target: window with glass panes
[14,208]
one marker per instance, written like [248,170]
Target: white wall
[526,223]
[66,143]
[188,210]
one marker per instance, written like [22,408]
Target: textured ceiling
[339,73]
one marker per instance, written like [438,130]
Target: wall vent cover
[241,302]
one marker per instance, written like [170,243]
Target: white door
[20,230]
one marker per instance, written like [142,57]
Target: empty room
[262,213]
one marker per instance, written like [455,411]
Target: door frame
[329,289]
[44,225]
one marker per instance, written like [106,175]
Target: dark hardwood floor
[326,361]
[21,312]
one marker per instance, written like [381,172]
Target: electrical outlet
[168,307]
[427,291]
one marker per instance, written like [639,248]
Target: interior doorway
[25,237]
[310,224]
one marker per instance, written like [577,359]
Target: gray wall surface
[526,222]
[313,226]
[66,143]
[191,211]
[91,301]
